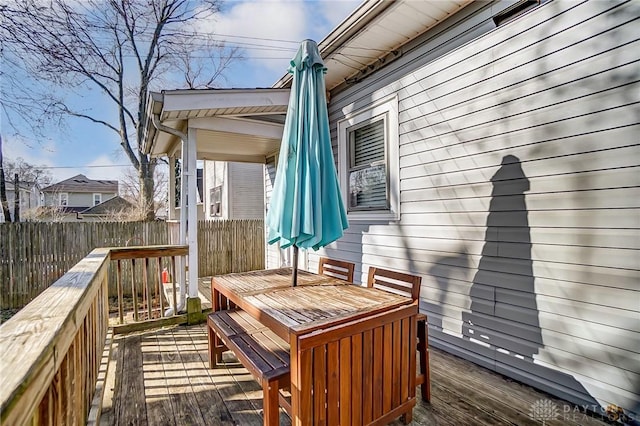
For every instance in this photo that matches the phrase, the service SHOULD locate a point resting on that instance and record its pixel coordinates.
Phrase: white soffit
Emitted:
(375, 29)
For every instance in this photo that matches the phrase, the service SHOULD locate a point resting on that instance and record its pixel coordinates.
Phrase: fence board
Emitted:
(33, 255)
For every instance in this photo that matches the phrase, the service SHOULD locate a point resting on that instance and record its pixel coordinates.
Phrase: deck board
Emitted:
(162, 378)
(159, 408)
(131, 410)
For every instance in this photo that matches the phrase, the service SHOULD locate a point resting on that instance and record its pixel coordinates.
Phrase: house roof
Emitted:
(60, 209)
(114, 204)
(247, 124)
(81, 183)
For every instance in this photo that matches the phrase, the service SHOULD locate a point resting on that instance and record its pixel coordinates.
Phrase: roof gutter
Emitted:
(154, 107)
(155, 118)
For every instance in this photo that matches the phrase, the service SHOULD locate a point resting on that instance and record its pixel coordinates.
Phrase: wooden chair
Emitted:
(336, 269)
(407, 285)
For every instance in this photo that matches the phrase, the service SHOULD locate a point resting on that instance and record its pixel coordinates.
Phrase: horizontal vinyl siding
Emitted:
(246, 193)
(272, 252)
(520, 193)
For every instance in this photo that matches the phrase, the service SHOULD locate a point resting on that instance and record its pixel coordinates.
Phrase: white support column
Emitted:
(171, 208)
(184, 179)
(192, 216)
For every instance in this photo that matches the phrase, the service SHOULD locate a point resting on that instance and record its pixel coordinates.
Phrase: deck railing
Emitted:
(51, 350)
(149, 269)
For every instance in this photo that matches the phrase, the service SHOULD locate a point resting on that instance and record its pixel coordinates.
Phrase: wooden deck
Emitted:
(161, 377)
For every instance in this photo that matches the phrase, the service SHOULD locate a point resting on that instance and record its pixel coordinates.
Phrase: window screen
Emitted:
(367, 168)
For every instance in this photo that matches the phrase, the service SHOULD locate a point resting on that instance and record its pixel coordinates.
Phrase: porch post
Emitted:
(192, 215)
(184, 178)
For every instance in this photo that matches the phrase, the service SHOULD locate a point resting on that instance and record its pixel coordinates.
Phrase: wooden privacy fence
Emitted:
(226, 246)
(34, 255)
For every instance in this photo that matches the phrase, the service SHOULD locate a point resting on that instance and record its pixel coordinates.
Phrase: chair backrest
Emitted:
(395, 282)
(336, 269)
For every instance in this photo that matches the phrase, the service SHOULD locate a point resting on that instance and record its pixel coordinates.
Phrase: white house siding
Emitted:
(519, 177)
(246, 192)
(242, 189)
(76, 199)
(28, 202)
(272, 252)
(214, 175)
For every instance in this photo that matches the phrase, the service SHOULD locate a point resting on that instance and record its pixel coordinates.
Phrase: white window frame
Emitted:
(385, 109)
(65, 196)
(94, 199)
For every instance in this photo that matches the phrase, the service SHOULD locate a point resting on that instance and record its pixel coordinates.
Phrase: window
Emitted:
(368, 148)
(97, 199)
(63, 199)
(367, 171)
(215, 199)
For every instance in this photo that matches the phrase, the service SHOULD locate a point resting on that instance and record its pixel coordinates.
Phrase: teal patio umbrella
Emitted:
(306, 208)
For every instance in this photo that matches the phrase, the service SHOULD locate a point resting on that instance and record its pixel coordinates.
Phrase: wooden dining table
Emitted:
(352, 348)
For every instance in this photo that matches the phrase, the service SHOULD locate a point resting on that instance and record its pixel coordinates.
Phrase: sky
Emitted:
(94, 151)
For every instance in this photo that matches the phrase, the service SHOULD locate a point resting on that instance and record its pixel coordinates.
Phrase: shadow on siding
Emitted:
(503, 324)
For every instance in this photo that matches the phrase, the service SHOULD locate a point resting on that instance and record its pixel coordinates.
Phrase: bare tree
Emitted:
(16, 174)
(120, 47)
(27, 173)
(130, 191)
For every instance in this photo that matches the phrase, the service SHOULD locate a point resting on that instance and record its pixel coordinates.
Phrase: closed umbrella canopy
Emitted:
(306, 208)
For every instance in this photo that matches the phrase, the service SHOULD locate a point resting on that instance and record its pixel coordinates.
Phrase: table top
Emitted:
(244, 283)
(316, 302)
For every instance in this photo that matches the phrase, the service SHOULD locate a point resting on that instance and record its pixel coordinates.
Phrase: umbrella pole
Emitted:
(294, 271)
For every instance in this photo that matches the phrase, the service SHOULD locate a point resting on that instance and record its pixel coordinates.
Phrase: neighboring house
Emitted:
(173, 208)
(233, 190)
(112, 209)
(29, 199)
(504, 170)
(76, 194)
(228, 190)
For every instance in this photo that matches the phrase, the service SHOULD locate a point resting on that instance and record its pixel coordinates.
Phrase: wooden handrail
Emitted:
(140, 252)
(50, 350)
(48, 359)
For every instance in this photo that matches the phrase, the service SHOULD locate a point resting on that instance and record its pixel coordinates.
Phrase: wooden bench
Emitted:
(263, 353)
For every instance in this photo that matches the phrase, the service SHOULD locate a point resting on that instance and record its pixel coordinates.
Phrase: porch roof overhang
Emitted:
(243, 125)
(246, 124)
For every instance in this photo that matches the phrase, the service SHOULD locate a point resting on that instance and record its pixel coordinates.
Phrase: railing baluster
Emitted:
(174, 279)
(120, 292)
(147, 285)
(160, 287)
(133, 289)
